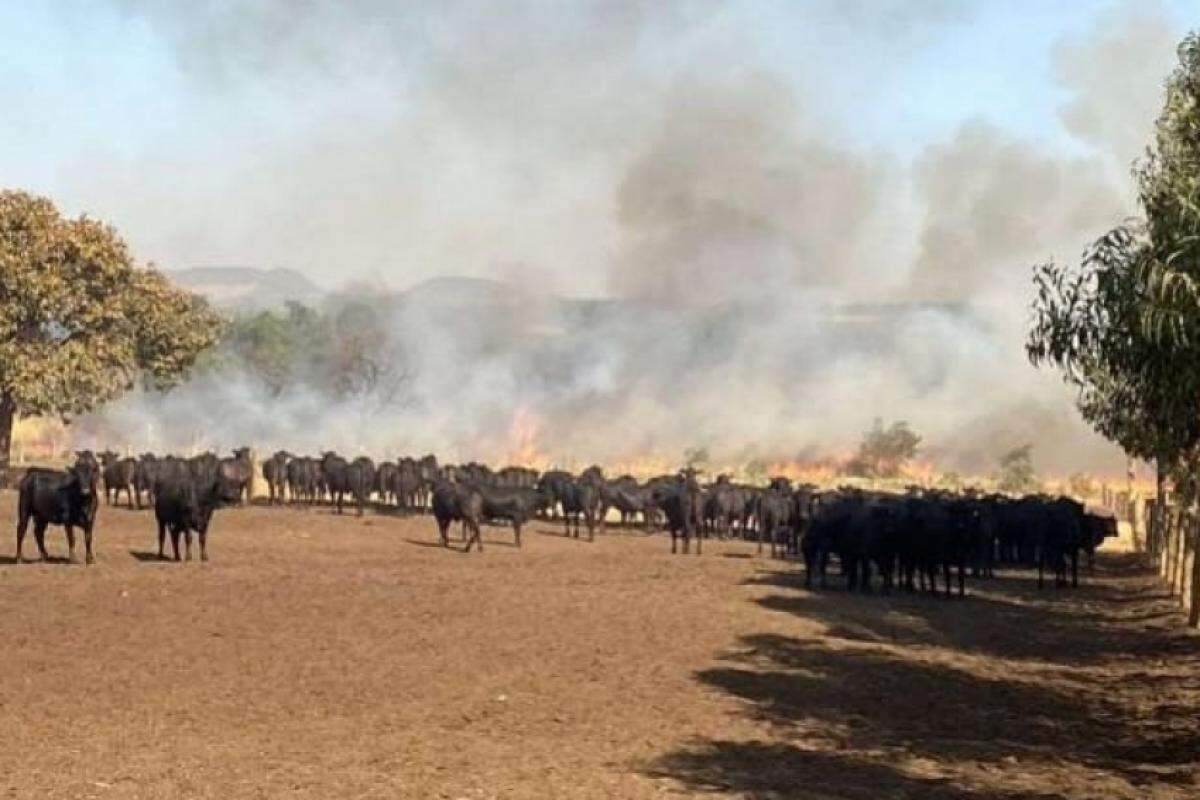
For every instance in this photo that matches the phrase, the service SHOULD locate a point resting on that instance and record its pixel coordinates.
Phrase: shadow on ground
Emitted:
(1010, 693)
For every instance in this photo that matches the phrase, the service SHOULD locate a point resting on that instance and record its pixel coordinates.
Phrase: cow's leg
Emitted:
(162, 539)
(88, 556)
(443, 531)
(175, 542)
(517, 531)
(129, 495)
(70, 531)
(22, 526)
(39, 536)
(187, 544)
(202, 536)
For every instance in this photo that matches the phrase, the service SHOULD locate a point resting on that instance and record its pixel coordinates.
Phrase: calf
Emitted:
(53, 497)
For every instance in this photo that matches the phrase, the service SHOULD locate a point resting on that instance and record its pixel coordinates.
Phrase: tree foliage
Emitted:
(883, 452)
(79, 322)
(345, 351)
(1016, 475)
(1123, 325)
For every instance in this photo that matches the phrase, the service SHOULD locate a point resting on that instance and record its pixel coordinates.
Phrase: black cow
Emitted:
(682, 503)
(517, 505)
(344, 478)
(53, 497)
(580, 500)
(774, 513)
(275, 473)
(184, 503)
(452, 501)
(239, 470)
(119, 474)
(145, 477)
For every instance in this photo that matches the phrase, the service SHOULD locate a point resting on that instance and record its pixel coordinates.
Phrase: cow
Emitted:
(275, 473)
(580, 500)
(144, 478)
(204, 465)
(1096, 528)
(516, 505)
(453, 501)
(54, 497)
(551, 483)
(387, 476)
(119, 474)
(303, 479)
(774, 513)
(682, 505)
(184, 502)
(344, 478)
(240, 470)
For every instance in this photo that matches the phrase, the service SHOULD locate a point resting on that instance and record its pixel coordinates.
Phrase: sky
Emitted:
(770, 159)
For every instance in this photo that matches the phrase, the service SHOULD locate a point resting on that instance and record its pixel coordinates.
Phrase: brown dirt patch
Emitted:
(320, 657)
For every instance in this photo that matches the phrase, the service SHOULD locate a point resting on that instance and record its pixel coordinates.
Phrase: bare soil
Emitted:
(319, 657)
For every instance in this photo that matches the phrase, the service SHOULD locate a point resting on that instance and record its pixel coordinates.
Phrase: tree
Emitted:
(884, 451)
(1124, 325)
(1016, 474)
(79, 323)
(696, 458)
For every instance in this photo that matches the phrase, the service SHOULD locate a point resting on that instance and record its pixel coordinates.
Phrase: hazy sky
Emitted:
(360, 139)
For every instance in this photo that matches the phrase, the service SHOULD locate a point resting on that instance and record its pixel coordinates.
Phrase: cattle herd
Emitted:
(905, 539)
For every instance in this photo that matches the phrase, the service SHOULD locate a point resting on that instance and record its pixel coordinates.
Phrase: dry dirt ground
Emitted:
(321, 657)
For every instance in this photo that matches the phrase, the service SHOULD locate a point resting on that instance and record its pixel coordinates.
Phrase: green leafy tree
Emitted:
(79, 323)
(1124, 325)
(1016, 474)
(883, 452)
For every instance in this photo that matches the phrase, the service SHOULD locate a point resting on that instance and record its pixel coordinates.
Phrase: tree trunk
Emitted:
(1194, 610)
(8, 414)
(1160, 507)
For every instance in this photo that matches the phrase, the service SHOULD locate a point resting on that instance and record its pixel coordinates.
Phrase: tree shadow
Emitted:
(776, 771)
(1069, 627)
(997, 686)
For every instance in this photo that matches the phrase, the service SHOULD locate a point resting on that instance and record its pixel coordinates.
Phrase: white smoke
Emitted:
(760, 288)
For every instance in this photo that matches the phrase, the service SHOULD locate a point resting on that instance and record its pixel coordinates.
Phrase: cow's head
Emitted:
(86, 473)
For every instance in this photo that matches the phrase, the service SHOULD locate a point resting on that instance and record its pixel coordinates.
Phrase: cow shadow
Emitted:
(149, 556)
(11, 561)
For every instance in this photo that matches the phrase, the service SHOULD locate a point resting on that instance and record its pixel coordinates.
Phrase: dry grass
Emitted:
(320, 657)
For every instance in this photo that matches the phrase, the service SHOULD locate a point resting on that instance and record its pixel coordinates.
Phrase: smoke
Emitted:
(1115, 73)
(686, 256)
(995, 205)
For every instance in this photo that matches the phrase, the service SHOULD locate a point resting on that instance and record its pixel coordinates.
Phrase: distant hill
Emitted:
(248, 288)
(253, 289)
